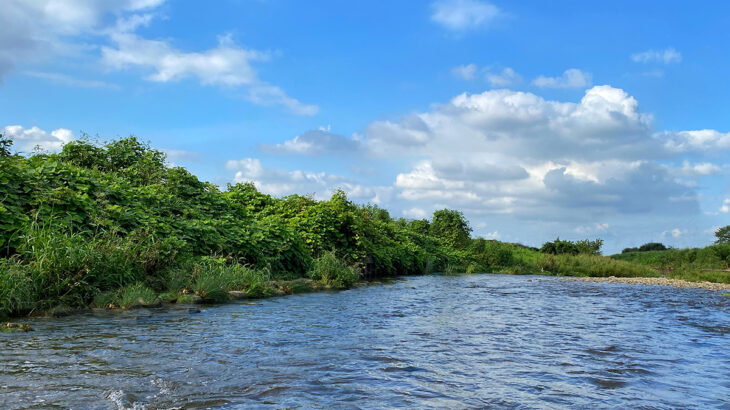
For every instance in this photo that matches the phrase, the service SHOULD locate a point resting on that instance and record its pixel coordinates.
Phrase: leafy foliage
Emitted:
(5, 144)
(723, 234)
(583, 247)
(451, 227)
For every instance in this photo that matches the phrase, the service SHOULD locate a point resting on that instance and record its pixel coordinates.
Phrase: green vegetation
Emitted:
(583, 247)
(706, 264)
(111, 225)
(333, 271)
(651, 246)
(723, 234)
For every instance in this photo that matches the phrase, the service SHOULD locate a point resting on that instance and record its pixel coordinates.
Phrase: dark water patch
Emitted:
(424, 342)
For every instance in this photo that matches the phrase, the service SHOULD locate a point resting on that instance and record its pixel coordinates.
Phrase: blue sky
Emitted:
(537, 119)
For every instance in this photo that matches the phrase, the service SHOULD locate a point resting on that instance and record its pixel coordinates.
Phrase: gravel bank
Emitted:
(656, 281)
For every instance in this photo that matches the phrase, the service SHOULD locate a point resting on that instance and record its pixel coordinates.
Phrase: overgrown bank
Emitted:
(111, 225)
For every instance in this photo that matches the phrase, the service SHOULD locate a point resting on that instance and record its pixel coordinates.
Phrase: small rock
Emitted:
(237, 295)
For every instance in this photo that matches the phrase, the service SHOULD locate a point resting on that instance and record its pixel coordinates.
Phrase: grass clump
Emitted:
(137, 295)
(334, 272)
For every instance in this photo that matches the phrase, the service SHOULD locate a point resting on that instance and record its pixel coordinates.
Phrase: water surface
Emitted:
(430, 341)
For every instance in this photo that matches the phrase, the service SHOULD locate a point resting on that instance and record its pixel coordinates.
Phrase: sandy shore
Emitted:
(656, 281)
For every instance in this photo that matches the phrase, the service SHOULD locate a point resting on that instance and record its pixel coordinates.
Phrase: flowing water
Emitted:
(422, 342)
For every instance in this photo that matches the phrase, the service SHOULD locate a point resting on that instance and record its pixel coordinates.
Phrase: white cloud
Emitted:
(491, 235)
(605, 124)
(27, 139)
(227, 65)
(700, 169)
(571, 78)
(666, 56)
(41, 29)
(465, 72)
(725, 207)
(321, 185)
(415, 213)
(695, 140)
(506, 77)
(674, 233)
(315, 142)
(460, 15)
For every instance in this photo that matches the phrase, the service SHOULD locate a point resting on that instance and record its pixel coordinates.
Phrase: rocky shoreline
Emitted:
(656, 281)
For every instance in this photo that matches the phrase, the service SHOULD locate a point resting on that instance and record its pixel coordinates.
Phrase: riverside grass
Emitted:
(110, 224)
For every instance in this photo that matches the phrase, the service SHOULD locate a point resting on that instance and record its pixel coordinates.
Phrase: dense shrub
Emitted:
(333, 271)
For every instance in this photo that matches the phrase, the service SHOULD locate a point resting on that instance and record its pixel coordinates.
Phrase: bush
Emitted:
(333, 271)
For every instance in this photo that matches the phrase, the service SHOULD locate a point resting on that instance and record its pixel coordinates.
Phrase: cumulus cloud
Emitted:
(606, 123)
(571, 78)
(321, 185)
(40, 29)
(666, 56)
(315, 142)
(460, 15)
(28, 139)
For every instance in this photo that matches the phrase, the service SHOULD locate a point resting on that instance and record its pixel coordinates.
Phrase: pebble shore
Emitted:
(656, 281)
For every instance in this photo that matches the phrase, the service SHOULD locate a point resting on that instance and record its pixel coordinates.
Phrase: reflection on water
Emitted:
(469, 341)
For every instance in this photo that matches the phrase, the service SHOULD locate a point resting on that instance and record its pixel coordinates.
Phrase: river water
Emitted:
(421, 342)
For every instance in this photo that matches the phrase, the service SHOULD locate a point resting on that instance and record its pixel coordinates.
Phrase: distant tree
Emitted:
(652, 246)
(5, 144)
(589, 247)
(647, 247)
(723, 235)
(559, 247)
(452, 227)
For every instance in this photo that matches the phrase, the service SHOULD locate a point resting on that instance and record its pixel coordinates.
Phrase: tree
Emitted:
(5, 144)
(452, 227)
(723, 234)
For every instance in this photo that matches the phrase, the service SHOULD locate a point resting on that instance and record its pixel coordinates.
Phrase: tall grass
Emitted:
(333, 271)
(591, 265)
(137, 295)
(16, 289)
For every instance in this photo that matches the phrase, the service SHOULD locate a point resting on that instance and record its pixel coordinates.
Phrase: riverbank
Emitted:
(678, 283)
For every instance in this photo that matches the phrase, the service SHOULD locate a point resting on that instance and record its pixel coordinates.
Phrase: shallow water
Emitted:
(430, 341)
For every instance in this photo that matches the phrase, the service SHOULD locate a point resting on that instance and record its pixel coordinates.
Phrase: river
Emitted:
(420, 342)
